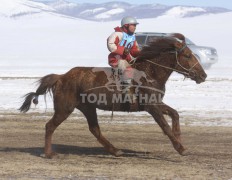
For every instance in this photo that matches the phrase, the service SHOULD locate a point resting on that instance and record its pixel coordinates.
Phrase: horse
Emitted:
(158, 61)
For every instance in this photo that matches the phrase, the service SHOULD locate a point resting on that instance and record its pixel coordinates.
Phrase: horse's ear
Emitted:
(178, 36)
(178, 45)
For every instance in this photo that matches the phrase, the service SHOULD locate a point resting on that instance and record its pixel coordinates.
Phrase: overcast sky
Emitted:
(215, 3)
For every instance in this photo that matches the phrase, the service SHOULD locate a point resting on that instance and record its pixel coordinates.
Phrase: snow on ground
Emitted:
(47, 43)
(182, 11)
(40, 44)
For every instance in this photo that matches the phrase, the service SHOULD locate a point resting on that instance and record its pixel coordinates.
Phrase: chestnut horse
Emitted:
(158, 60)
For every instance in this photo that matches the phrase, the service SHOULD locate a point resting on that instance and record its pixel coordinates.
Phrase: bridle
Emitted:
(190, 72)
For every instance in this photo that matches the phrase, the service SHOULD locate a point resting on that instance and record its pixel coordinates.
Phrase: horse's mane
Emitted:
(160, 45)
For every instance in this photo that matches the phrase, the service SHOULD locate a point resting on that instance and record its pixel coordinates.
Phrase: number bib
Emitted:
(127, 40)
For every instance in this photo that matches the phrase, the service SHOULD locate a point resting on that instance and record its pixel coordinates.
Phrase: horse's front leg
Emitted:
(157, 114)
(175, 119)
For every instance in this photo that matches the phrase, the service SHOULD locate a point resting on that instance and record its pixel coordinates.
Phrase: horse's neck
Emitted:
(156, 72)
(162, 75)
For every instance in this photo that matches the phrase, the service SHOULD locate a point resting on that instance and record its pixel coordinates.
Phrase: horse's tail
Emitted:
(46, 84)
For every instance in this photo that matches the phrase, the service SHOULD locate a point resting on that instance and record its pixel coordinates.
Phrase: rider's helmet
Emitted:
(128, 20)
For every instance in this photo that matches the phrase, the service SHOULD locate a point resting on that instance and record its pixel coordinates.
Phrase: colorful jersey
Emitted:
(127, 40)
(116, 44)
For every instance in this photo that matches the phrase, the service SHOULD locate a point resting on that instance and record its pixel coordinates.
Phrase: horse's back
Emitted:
(87, 76)
(79, 69)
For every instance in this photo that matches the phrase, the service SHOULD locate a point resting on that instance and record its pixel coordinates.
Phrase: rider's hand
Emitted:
(126, 51)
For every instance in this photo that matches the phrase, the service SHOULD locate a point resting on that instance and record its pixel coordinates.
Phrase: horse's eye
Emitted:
(188, 56)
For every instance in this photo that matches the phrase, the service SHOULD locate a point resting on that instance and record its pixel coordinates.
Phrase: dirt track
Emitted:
(148, 153)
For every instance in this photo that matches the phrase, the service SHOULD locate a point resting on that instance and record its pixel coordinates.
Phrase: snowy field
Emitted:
(36, 45)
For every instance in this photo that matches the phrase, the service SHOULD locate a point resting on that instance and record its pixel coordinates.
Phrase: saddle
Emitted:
(127, 90)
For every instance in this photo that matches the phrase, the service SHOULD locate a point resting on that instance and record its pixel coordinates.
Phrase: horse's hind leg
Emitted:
(64, 104)
(91, 116)
(51, 125)
(175, 119)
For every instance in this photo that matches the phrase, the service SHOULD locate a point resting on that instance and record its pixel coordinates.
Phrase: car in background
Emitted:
(207, 56)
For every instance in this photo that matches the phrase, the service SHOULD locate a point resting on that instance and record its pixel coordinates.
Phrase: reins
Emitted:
(187, 74)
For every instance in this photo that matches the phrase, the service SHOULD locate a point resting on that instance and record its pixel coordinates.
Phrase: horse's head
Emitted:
(186, 63)
(160, 53)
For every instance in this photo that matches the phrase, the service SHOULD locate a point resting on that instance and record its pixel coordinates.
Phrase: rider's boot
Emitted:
(130, 97)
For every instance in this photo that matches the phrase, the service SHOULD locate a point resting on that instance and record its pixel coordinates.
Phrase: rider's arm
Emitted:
(113, 43)
(135, 49)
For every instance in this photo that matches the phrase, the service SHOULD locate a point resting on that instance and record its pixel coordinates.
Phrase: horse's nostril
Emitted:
(203, 76)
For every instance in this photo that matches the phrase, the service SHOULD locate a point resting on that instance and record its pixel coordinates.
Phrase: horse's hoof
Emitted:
(184, 152)
(51, 155)
(118, 153)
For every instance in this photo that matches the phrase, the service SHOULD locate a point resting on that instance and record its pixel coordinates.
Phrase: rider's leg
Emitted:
(127, 74)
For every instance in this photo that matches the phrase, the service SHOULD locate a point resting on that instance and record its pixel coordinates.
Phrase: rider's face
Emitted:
(132, 27)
